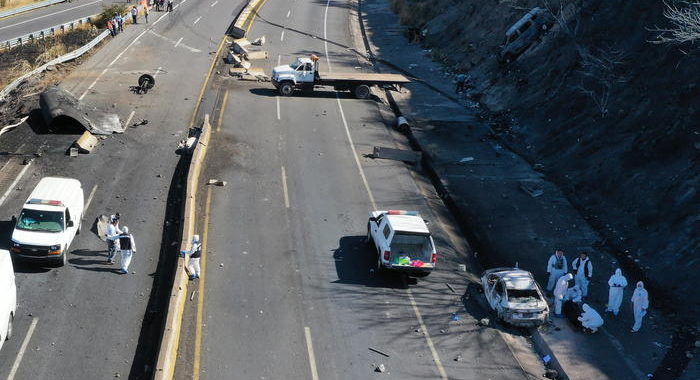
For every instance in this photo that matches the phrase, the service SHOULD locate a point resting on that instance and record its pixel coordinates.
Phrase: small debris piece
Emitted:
(379, 352)
(462, 267)
(458, 358)
(455, 317)
(466, 159)
(221, 265)
(192, 295)
(73, 152)
(451, 288)
(259, 41)
(380, 368)
(484, 322)
(531, 189)
(216, 182)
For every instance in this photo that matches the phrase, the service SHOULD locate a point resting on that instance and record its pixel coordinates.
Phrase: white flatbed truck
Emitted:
(303, 74)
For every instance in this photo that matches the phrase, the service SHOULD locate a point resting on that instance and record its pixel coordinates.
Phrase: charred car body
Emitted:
(515, 296)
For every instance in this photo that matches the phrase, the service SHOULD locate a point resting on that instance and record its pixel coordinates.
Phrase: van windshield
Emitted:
(38, 220)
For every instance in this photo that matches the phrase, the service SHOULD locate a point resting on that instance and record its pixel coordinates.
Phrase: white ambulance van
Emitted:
(49, 221)
(8, 296)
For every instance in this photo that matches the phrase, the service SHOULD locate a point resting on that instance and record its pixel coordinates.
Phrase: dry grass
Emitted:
(21, 59)
(10, 4)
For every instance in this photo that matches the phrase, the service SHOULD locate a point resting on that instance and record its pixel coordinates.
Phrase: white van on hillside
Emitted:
(8, 296)
(49, 221)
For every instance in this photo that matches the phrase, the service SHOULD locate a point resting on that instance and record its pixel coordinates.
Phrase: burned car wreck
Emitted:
(515, 296)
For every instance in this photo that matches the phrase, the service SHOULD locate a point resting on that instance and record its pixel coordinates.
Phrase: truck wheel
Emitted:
(62, 261)
(286, 89)
(362, 91)
(10, 320)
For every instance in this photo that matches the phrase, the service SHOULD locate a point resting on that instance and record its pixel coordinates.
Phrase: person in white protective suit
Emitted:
(584, 271)
(127, 247)
(195, 256)
(574, 294)
(556, 267)
(590, 319)
(617, 283)
(640, 304)
(560, 292)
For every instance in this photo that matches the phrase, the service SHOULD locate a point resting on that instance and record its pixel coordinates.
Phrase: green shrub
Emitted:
(108, 12)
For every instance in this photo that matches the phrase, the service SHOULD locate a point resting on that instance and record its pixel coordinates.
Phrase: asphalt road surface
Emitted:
(32, 21)
(84, 321)
(287, 288)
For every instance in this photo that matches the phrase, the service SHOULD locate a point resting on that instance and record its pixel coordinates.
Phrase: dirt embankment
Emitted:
(611, 117)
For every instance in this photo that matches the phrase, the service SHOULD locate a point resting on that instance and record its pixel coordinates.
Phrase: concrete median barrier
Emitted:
(167, 355)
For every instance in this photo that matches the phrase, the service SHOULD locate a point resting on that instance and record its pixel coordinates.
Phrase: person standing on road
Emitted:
(127, 248)
(640, 304)
(113, 233)
(590, 319)
(115, 25)
(109, 27)
(145, 13)
(195, 256)
(560, 292)
(120, 22)
(556, 267)
(617, 283)
(134, 12)
(170, 5)
(584, 270)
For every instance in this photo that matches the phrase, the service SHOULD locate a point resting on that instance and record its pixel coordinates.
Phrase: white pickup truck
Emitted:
(403, 242)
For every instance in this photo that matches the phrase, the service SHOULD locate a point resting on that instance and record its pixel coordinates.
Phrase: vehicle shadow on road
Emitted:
(354, 264)
(6, 227)
(271, 92)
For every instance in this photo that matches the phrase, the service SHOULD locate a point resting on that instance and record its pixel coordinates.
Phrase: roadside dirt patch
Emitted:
(22, 59)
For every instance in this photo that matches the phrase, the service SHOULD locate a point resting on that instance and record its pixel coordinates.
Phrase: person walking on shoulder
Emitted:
(640, 304)
(145, 13)
(195, 256)
(584, 270)
(120, 22)
(127, 248)
(556, 267)
(617, 283)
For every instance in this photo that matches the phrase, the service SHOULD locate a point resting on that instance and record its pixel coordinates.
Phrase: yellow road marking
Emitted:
(221, 112)
(200, 298)
(255, 13)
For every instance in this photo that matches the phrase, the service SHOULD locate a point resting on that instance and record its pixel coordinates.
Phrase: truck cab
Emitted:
(48, 221)
(402, 241)
(300, 74)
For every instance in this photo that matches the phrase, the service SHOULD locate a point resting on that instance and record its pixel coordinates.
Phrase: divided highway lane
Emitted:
(287, 288)
(42, 18)
(84, 321)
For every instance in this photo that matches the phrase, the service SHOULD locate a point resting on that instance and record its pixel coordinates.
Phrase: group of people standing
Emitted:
(115, 25)
(119, 240)
(582, 272)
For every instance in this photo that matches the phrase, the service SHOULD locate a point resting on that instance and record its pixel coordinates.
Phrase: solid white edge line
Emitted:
(289, 12)
(22, 349)
(426, 334)
(310, 349)
(214, 3)
(282, 36)
(14, 183)
(178, 42)
(284, 187)
(279, 60)
(433, 351)
(196, 21)
(87, 204)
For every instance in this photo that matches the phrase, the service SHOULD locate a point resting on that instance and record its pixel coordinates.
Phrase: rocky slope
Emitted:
(611, 117)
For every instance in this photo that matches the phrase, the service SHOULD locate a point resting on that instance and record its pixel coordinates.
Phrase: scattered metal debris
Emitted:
(259, 41)
(146, 82)
(378, 351)
(85, 144)
(58, 104)
(139, 123)
(451, 288)
(484, 322)
(216, 182)
(380, 368)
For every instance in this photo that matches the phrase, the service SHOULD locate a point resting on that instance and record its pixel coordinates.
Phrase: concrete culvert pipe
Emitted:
(402, 124)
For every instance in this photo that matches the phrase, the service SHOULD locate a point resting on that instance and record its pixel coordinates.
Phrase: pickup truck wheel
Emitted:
(63, 260)
(10, 320)
(362, 91)
(286, 89)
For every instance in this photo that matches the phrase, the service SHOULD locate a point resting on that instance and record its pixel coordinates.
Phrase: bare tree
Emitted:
(600, 71)
(685, 21)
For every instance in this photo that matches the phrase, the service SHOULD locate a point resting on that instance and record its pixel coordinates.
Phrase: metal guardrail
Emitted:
(41, 34)
(29, 7)
(64, 58)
